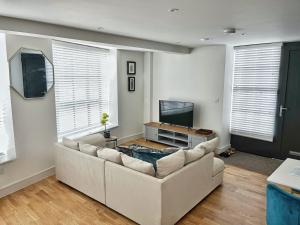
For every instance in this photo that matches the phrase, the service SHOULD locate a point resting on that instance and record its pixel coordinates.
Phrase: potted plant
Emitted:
(104, 120)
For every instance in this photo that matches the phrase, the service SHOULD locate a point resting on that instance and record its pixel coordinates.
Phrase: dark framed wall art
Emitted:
(131, 67)
(131, 83)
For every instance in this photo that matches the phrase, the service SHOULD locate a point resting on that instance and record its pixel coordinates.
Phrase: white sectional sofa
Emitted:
(144, 199)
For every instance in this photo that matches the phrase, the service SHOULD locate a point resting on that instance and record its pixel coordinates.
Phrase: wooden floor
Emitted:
(239, 201)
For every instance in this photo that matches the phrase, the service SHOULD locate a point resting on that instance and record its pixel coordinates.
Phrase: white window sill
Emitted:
(5, 158)
(89, 132)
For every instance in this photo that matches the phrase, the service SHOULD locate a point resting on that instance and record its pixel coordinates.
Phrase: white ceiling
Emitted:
(260, 20)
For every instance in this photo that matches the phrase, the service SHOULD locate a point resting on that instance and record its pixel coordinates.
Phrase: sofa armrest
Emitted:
(184, 189)
(81, 171)
(133, 194)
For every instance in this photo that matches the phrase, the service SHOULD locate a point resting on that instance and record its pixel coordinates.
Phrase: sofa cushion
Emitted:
(88, 149)
(193, 154)
(109, 154)
(218, 166)
(93, 139)
(170, 164)
(150, 155)
(70, 143)
(138, 165)
(208, 146)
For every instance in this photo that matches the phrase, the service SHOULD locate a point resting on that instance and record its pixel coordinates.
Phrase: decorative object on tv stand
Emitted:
(131, 68)
(204, 131)
(104, 120)
(131, 83)
(31, 73)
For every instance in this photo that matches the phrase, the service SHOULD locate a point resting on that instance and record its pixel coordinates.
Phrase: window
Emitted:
(85, 87)
(3, 135)
(7, 143)
(255, 86)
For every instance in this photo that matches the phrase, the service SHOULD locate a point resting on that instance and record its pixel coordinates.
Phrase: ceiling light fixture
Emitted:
(205, 39)
(230, 30)
(173, 10)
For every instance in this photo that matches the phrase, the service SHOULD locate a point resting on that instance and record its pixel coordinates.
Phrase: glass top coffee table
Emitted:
(287, 174)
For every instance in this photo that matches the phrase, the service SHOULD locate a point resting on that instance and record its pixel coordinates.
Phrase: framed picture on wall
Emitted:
(131, 83)
(131, 68)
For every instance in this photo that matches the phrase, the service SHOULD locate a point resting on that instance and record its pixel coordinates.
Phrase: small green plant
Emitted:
(104, 119)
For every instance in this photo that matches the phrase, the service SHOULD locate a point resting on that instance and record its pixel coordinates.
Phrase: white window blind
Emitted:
(85, 87)
(255, 86)
(2, 116)
(7, 142)
(3, 147)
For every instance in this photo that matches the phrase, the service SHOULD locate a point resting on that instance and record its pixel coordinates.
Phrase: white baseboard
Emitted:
(223, 149)
(20, 184)
(130, 138)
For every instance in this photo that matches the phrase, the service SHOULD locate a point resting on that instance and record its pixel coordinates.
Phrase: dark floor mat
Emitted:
(252, 162)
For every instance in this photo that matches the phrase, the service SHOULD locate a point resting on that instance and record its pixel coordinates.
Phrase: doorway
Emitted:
(289, 108)
(286, 141)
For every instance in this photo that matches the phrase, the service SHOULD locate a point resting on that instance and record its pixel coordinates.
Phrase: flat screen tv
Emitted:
(176, 113)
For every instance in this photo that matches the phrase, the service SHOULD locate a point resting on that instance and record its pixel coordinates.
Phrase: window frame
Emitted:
(239, 132)
(112, 95)
(7, 119)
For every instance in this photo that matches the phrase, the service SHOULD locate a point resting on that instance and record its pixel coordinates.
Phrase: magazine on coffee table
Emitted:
(295, 171)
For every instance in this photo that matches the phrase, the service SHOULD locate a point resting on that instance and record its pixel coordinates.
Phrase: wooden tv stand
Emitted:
(174, 135)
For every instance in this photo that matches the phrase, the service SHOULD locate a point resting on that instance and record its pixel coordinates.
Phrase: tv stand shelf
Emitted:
(174, 135)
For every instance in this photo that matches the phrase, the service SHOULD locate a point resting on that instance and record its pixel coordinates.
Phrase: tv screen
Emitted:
(177, 113)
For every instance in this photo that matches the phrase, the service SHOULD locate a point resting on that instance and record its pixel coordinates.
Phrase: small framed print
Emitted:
(131, 83)
(131, 68)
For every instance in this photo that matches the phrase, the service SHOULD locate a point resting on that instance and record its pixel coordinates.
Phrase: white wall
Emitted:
(198, 78)
(34, 123)
(131, 104)
(35, 120)
(148, 83)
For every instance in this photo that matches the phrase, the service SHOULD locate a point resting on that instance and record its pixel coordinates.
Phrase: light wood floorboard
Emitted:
(239, 201)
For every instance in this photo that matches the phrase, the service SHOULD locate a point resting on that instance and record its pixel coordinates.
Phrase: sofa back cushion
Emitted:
(138, 165)
(70, 143)
(93, 139)
(193, 155)
(170, 164)
(208, 146)
(88, 149)
(109, 154)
